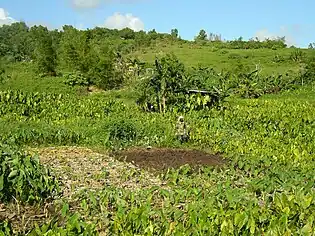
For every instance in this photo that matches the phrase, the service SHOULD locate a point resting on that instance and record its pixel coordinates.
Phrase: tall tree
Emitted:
(202, 36)
(168, 80)
(68, 53)
(215, 37)
(152, 34)
(174, 33)
(127, 33)
(14, 41)
(45, 55)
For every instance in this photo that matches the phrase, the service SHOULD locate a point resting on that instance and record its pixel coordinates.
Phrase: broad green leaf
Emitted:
(13, 174)
(307, 229)
(240, 220)
(306, 202)
(65, 209)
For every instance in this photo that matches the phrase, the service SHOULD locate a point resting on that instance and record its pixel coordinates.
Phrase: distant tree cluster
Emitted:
(203, 37)
(20, 41)
(254, 43)
(89, 55)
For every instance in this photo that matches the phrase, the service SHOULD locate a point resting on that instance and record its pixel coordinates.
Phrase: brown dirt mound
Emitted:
(165, 158)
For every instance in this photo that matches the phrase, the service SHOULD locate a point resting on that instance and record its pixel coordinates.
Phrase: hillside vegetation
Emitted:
(71, 100)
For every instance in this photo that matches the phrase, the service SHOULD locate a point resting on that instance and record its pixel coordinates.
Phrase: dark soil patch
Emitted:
(165, 158)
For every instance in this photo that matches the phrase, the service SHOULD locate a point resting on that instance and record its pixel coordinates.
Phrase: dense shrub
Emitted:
(122, 132)
(234, 56)
(76, 78)
(308, 72)
(297, 55)
(24, 178)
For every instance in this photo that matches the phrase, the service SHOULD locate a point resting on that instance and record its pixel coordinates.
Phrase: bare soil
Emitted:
(165, 158)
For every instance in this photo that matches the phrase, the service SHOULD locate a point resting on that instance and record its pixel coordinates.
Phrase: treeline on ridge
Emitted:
(21, 42)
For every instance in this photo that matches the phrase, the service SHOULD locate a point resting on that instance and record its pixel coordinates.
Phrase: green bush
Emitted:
(105, 71)
(307, 75)
(297, 55)
(24, 178)
(113, 106)
(2, 76)
(122, 132)
(76, 78)
(224, 51)
(234, 56)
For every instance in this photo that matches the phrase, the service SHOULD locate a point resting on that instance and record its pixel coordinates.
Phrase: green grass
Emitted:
(227, 58)
(306, 93)
(22, 76)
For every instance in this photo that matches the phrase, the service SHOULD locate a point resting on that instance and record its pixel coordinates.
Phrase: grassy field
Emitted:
(227, 58)
(264, 187)
(23, 77)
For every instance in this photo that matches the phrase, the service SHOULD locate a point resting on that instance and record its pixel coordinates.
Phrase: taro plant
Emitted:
(70, 225)
(23, 177)
(5, 228)
(76, 79)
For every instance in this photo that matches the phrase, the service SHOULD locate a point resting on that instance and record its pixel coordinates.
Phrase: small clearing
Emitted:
(82, 168)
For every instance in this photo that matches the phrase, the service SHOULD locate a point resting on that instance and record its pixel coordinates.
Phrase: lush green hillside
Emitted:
(270, 61)
(24, 76)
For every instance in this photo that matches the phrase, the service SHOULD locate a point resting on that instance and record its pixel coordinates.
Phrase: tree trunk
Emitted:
(160, 103)
(163, 103)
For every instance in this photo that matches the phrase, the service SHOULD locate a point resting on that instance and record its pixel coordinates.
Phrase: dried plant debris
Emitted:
(81, 168)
